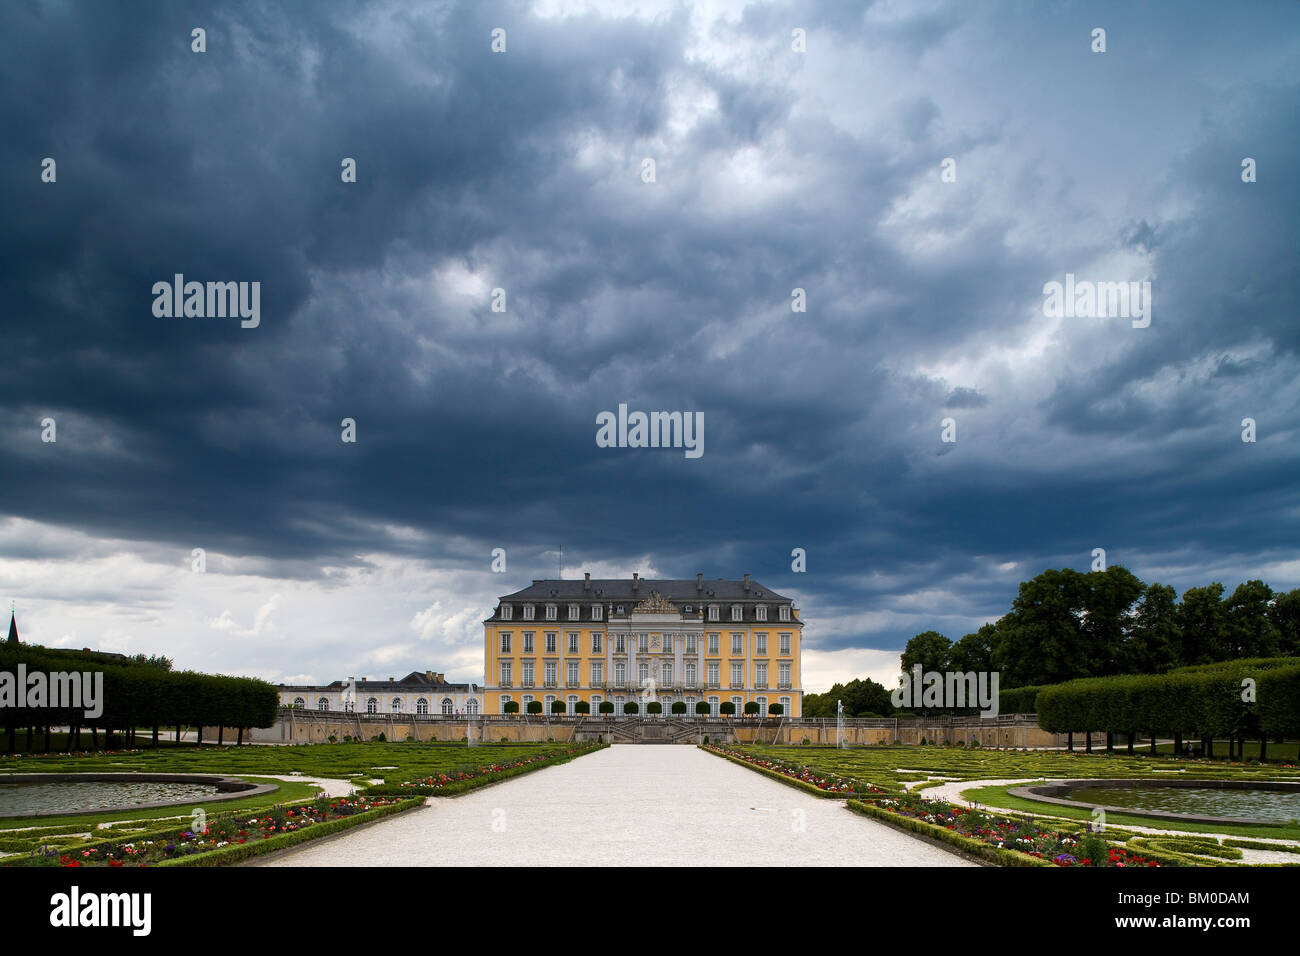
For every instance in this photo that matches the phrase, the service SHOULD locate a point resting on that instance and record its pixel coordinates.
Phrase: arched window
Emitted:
(322, 704)
(422, 705)
(785, 706)
(299, 703)
(573, 700)
(447, 706)
(396, 705)
(505, 699)
(471, 706)
(372, 706)
(713, 706)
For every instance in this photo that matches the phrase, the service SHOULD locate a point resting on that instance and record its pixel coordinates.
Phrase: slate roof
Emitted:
(412, 683)
(612, 592)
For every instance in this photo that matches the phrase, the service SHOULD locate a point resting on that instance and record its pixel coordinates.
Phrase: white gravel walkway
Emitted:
(633, 804)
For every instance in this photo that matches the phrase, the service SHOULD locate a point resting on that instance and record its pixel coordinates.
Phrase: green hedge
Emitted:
(1202, 700)
(1187, 846)
(967, 845)
(462, 786)
(144, 696)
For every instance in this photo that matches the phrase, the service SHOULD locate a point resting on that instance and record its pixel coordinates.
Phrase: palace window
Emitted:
(526, 674)
(713, 706)
(668, 643)
(322, 704)
(785, 612)
(550, 699)
(299, 703)
(422, 705)
(714, 641)
(739, 704)
(713, 674)
(618, 609)
(667, 674)
(690, 673)
(529, 612)
(713, 612)
(643, 643)
(573, 703)
(572, 678)
(760, 675)
(396, 705)
(783, 676)
(551, 611)
(505, 674)
(506, 611)
(760, 612)
(690, 643)
(550, 673)
(785, 706)
(596, 700)
(761, 640)
(737, 674)
(573, 642)
(596, 611)
(505, 699)
(528, 642)
(642, 672)
(372, 706)
(597, 673)
(595, 643)
(737, 642)
(550, 642)
(574, 612)
(471, 706)
(505, 642)
(785, 644)
(762, 705)
(619, 646)
(446, 706)
(620, 673)
(737, 612)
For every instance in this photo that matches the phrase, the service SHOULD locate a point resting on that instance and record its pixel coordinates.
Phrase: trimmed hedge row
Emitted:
(141, 695)
(789, 781)
(1019, 700)
(967, 845)
(1258, 845)
(1204, 700)
(238, 852)
(1189, 847)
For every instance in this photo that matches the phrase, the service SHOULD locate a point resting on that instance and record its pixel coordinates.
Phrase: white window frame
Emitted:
(760, 612)
(713, 612)
(552, 612)
(528, 641)
(715, 643)
(784, 645)
(783, 676)
(596, 611)
(737, 612)
(575, 612)
(530, 612)
(506, 612)
(552, 638)
(760, 644)
(573, 674)
(596, 642)
(737, 674)
(505, 642)
(784, 613)
(506, 674)
(527, 674)
(597, 673)
(573, 642)
(737, 642)
(549, 673)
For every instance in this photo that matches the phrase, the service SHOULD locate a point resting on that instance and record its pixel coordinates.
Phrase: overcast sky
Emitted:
(523, 170)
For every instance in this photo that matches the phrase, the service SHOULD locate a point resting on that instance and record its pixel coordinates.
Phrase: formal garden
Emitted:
(383, 779)
(889, 783)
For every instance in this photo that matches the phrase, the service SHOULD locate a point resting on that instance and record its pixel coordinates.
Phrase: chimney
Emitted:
(746, 582)
(699, 581)
(636, 583)
(586, 581)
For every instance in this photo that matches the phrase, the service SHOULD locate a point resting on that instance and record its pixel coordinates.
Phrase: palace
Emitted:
(419, 692)
(634, 641)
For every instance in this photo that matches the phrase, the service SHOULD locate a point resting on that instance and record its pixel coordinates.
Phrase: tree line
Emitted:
(139, 693)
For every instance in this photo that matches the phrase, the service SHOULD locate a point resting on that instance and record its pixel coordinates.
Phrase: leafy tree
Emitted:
(751, 707)
(930, 649)
(702, 707)
(1041, 640)
(1285, 615)
(679, 707)
(1249, 631)
(1107, 616)
(974, 652)
(1201, 619)
(727, 709)
(1155, 639)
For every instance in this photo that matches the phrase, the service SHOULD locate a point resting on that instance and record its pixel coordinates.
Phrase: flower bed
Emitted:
(225, 836)
(468, 778)
(823, 786)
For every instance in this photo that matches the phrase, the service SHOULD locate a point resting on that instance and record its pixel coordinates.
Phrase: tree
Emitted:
(534, 706)
(631, 707)
(679, 707)
(607, 707)
(1201, 620)
(1285, 615)
(1249, 631)
(511, 707)
(864, 698)
(930, 649)
(776, 710)
(974, 652)
(654, 707)
(727, 709)
(751, 708)
(1107, 617)
(702, 707)
(582, 707)
(1041, 640)
(558, 707)
(1155, 639)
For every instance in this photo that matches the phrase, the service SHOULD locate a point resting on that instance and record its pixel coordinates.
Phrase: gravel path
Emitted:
(651, 805)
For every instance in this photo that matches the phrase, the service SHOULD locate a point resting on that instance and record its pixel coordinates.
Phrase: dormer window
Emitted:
(713, 612)
(506, 611)
(596, 611)
(529, 612)
(737, 612)
(761, 612)
(785, 612)
(619, 609)
(551, 612)
(574, 612)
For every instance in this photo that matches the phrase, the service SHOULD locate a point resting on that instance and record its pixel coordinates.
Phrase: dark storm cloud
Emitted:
(522, 171)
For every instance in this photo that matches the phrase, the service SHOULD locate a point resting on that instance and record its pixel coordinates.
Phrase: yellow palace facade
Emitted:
(633, 640)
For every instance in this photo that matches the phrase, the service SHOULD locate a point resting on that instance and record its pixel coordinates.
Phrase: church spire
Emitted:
(13, 627)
